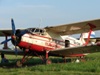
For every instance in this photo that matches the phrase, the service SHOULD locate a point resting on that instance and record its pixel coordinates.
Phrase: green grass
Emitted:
(90, 67)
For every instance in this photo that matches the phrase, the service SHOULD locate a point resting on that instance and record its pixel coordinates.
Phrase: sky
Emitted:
(42, 13)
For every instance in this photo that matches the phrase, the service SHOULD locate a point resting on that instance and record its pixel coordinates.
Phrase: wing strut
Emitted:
(91, 29)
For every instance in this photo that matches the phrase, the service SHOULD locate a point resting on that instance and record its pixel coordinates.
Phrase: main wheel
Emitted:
(19, 64)
(48, 61)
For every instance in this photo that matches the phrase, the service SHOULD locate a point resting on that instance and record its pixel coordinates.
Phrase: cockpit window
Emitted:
(37, 31)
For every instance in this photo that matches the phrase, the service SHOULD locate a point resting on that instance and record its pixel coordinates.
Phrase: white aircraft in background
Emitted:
(52, 41)
(80, 41)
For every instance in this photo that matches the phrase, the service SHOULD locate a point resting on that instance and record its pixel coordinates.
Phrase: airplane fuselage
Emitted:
(38, 42)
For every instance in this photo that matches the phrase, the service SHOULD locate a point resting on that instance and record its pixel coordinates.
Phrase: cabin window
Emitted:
(37, 31)
(67, 43)
(58, 42)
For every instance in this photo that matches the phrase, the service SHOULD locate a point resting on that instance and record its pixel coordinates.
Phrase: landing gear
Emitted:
(28, 53)
(25, 58)
(47, 60)
(18, 63)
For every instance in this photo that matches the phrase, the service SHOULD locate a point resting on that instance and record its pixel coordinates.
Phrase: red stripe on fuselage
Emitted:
(33, 47)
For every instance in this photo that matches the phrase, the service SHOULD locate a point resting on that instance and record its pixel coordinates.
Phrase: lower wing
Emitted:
(90, 48)
(11, 52)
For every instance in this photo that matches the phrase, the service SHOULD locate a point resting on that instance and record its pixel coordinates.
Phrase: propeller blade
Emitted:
(14, 36)
(13, 27)
(3, 42)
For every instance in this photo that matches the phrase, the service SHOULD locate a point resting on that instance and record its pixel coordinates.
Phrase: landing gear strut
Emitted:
(24, 59)
(47, 61)
(28, 53)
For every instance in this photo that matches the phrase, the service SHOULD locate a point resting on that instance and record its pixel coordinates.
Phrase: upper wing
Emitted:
(74, 28)
(5, 32)
(76, 50)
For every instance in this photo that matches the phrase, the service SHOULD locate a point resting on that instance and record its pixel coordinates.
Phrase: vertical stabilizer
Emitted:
(89, 34)
(84, 36)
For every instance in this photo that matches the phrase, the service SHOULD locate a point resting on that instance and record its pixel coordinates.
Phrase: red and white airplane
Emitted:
(52, 41)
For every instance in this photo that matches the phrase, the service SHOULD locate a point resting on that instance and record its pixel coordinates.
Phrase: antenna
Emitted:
(38, 28)
(40, 24)
(40, 21)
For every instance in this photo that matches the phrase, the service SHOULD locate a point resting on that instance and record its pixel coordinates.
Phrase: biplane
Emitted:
(52, 41)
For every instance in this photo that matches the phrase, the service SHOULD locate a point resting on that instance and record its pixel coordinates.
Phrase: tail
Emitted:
(90, 34)
(84, 37)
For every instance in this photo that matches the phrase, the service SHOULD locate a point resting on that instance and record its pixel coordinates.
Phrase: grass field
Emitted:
(34, 67)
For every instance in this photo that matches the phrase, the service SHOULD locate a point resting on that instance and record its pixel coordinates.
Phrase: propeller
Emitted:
(16, 34)
(12, 37)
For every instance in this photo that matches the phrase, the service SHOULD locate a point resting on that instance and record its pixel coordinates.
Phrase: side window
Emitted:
(33, 30)
(42, 32)
(37, 31)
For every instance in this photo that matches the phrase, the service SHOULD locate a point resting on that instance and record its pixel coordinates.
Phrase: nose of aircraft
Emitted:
(13, 37)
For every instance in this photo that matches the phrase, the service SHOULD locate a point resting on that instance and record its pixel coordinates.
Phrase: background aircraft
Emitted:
(50, 41)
